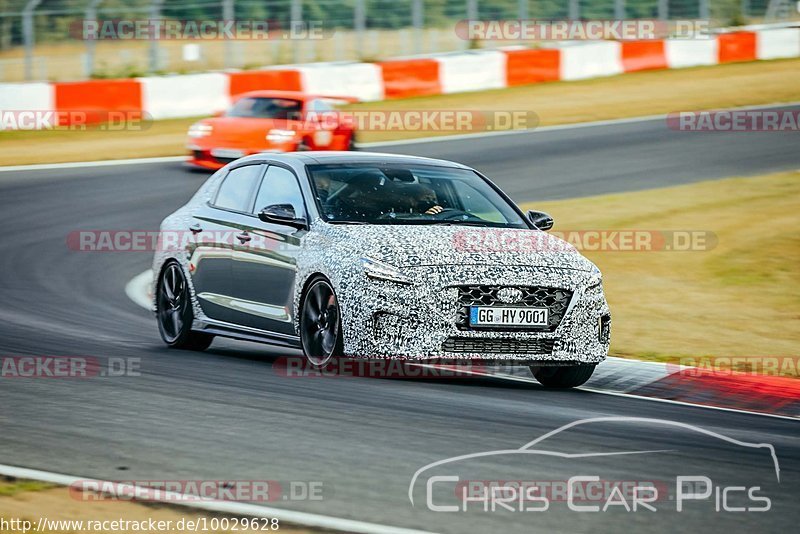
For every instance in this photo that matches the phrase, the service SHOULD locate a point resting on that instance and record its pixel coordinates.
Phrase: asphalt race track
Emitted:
(229, 413)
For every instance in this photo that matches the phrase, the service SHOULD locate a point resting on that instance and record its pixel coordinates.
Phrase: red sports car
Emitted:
(268, 121)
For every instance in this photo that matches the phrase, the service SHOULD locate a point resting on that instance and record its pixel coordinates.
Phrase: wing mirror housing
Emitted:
(282, 214)
(540, 220)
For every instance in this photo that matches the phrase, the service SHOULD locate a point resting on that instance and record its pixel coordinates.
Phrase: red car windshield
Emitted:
(267, 108)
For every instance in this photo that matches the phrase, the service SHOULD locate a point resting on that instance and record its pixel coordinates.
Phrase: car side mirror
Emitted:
(282, 214)
(540, 220)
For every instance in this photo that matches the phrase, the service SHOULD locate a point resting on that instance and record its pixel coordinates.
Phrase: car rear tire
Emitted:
(174, 311)
(564, 377)
(320, 323)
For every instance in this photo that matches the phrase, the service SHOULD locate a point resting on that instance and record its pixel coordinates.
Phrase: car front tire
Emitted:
(320, 323)
(564, 377)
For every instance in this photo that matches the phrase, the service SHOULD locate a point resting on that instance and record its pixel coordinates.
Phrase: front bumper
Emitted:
(204, 157)
(424, 321)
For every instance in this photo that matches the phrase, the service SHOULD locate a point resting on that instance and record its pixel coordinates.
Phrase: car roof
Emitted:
(344, 157)
(293, 95)
(266, 93)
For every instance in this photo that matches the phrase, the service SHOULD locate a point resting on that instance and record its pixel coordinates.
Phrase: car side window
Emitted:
(280, 186)
(236, 190)
(319, 106)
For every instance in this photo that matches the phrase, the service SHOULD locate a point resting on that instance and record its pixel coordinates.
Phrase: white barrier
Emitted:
(580, 61)
(778, 43)
(189, 95)
(165, 97)
(683, 53)
(357, 80)
(26, 97)
(36, 96)
(471, 71)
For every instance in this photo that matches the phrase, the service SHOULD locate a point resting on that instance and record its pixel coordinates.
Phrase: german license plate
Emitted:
(507, 316)
(227, 153)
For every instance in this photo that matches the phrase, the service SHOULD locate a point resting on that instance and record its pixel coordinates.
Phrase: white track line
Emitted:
(138, 289)
(226, 507)
(479, 135)
(421, 140)
(511, 378)
(684, 403)
(100, 163)
(556, 127)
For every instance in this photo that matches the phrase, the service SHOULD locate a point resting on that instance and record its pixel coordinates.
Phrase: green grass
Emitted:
(12, 487)
(738, 298)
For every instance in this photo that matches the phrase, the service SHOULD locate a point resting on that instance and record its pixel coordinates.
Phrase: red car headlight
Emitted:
(200, 130)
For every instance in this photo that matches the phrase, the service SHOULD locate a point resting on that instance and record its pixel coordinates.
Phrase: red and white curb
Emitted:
(190, 95)
(772, 396)
(210, 505)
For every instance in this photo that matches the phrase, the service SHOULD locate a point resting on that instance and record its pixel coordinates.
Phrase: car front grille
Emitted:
(554, 299)
(498, 346)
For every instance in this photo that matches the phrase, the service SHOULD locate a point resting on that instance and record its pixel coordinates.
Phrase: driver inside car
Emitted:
(361, 197)
(425, 200)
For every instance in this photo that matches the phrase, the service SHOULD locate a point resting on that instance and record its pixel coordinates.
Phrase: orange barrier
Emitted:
(643, 55)
(412, 77)
(532, 66)
(96, 101)
(737, 46)
(254, 80)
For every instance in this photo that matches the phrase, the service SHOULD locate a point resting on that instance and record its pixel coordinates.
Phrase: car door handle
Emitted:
(196, 228)
(244, 237)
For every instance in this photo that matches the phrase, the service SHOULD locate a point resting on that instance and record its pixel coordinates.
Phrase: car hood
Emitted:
(420, 245)
(236, 126)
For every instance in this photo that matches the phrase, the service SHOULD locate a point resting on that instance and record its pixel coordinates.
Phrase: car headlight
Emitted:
(279, 136)
(200, 130)
(596, 284)
(383, 271)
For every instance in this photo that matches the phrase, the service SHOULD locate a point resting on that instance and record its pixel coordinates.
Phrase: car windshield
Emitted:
(366, 193)
(266, 108)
